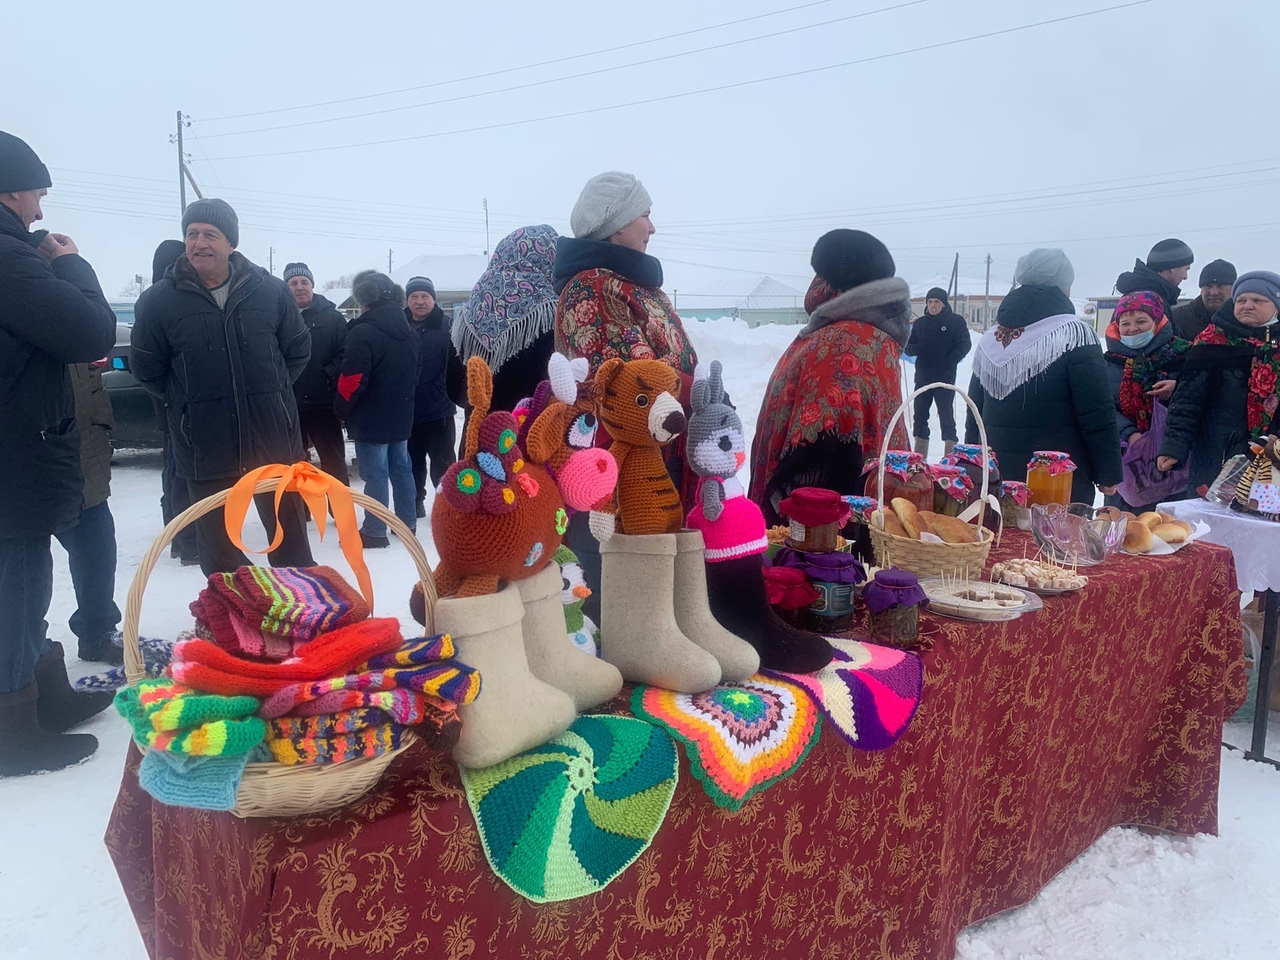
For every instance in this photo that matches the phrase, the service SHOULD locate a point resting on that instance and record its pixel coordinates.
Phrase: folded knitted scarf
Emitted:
(371, 742)
(205, 783)
(445, 680)
(207, 666)
(166, 715)
(300, 602)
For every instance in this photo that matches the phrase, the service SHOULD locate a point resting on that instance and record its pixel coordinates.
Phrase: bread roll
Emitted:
(1108, 513)
(909, 516)
(1151, 520)
(1171, 532)
(1138, 538)
(953, 530)
(892, 525)
(1167, 517)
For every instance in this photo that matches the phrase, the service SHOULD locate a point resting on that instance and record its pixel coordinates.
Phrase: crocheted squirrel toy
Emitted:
(498, 517)
(559, 433)
(640, 407)
(734, 530)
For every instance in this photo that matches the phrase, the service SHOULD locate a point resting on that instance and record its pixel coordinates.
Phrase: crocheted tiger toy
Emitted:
(640, 407)
(1259, 488)
(498, 517)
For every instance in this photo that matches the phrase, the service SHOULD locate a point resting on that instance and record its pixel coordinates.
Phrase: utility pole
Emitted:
(986, 297)
(485, 202)
(183, 174)
(389, 252)
(953, 288)
(271, 260)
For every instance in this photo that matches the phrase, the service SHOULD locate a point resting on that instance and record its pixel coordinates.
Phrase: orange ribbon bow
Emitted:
(319, 491)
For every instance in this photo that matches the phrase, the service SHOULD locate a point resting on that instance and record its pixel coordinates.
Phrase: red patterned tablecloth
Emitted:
(1034, 738)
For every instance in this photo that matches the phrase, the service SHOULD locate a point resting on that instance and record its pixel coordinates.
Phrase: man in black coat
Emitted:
(221, 341)
(433, 428)
(939, 341)
(52, 313)
(1167, 265)
(1216, 279)
(314, 389)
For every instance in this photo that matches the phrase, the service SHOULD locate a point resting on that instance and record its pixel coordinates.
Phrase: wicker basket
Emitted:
(276, 789)
(922, 557)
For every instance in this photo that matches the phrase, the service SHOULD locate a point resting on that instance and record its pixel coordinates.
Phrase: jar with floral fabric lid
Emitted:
(968, 456)
(1050, 475)
(952, 489)
(1014, 500)
(894, 599)
(859, 530)
(906, 477)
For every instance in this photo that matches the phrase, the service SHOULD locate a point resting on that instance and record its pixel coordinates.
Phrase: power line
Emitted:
(691, 93)
(574, 76)
(527, 66)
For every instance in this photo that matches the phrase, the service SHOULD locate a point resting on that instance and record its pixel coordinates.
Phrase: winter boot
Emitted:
(26, 748)
(638, 630)
(552, 657)
(515, 710)
(738, 601)
(947, 446)
(738, 659)
(922, 446)
(60, 707)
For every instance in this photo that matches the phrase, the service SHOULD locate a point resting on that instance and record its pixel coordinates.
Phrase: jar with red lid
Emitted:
(816, 516)
(1014, 500)
(906, 476)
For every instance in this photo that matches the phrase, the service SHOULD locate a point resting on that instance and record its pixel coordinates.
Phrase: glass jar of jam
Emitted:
(1050, 475)
(1014, 500)
(893, 599)
(952, 490)
(906, 476)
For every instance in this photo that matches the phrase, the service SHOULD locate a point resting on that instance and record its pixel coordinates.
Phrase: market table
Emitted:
(1034, 737)
(1255, 547)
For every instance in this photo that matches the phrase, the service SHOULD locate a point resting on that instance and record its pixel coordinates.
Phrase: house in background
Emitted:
(453, 276)
(756, 299)
(969, 301)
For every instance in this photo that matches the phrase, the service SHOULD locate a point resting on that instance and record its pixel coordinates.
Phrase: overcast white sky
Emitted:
(1101, 134)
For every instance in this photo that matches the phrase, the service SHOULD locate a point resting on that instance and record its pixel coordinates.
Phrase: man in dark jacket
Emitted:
(221, 342)
(1167, 265)
(52, 313)
(376, 397)
(939, 341)
(1216, 279)
(433, 428)
(314, 389)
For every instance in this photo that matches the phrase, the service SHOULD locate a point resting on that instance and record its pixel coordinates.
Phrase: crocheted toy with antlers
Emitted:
(640, 407)
(497, 517)
(559, 433)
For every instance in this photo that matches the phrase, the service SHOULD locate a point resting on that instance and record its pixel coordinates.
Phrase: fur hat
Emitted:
(608, 203)
(20, 168)
(420, 285)
(1169, 255)
(1262, 282)
(1045, 267)
(1217, 271)
(165, 255)
(373, 289)
(292, 270)
(849, 258)
(216, 213)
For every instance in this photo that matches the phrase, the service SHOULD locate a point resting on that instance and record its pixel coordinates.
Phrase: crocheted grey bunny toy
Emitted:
(715, 444)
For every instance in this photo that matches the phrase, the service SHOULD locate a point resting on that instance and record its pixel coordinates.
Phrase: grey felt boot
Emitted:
(553, 659)
(738, 659)
(638, 630)
(25, 747)
(515, 710)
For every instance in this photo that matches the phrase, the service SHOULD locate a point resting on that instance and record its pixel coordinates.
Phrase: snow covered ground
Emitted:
(1130, 896)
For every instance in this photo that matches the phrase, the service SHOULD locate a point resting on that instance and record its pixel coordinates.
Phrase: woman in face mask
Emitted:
(1144, 354)
(1226, 397)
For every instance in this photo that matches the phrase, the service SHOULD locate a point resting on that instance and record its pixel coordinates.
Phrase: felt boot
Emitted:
(552, 657)
(738, 659)
(27, 748)
(60, 707)
(515, 710)
(738, 601)
(638, 630)
(922, 446)
(947, 446)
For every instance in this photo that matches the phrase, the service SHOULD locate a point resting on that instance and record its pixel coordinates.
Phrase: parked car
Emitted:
(136, 415)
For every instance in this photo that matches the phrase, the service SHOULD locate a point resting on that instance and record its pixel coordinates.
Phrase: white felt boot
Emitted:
(738, 659)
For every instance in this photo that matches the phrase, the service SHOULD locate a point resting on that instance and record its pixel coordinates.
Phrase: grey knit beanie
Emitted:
(292, 270)
(1045, 267)
(20, 168)
(216, 213)
(1262, 282)
(608, 203)
(1169, 255)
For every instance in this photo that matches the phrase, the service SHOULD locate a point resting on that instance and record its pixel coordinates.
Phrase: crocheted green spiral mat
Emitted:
(564, 819)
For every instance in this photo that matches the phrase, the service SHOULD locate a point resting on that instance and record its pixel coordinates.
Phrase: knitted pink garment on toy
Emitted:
(739, 531)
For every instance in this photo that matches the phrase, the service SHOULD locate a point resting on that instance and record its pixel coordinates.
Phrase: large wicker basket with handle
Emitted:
(276, 789)
(921, 557)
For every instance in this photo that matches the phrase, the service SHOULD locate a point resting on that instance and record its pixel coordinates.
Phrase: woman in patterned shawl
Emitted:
(834, 391)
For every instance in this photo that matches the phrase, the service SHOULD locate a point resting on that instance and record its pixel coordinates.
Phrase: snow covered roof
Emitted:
(456, 273)
(746, 293)
(339, 295)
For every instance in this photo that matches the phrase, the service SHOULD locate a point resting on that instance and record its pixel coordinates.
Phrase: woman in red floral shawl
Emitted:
(834, 391)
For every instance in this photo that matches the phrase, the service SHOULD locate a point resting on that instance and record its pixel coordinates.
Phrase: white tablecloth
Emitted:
(1254, 542)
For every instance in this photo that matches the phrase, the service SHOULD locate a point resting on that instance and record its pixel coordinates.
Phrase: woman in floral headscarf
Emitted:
(833, 392)
(1226, 397)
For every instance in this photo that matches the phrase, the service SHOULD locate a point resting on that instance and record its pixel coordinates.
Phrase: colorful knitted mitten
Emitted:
(156, 653)
(372, 742)
(166, 715)
(448, 680)
(209, 667)
(407, 707)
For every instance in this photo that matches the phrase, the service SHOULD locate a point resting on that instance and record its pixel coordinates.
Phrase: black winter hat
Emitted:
(937, 293)
(165, 255)
(849, 258)
(216, 213)
(292, 270)
(420, 285)
(1218, 271)
(20, 168)
(373, 289)
(1169, 255)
